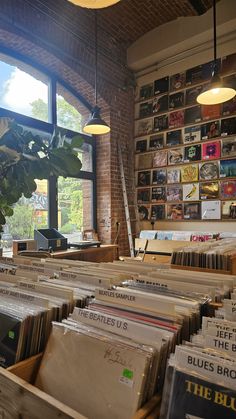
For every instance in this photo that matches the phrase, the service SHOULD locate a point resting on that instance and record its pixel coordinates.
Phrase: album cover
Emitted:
(174, 193)
(229, 107)
(192, 153)
(210, 111)
(228, 148)
(143, 195)
(211, 210)
(209, 190)
(175, 212)
(229, 210)
(210, 130)
(192, 115)
(176, 119)
(176, 100)
(192, 134)
(159, 177)
(230, 81)
(228, 126)
(158, 212)
(161, 85)
(228, 189)
(160, 123)
(143, 161)
(146, 91)
(144, 212)
(141, 146)
(207, 69)
(211, 150)
(173, 175)
(191, 192)
(159, 194)
(192, 94)
(144, 178)
(228, 168)
(229, 64)
(209, 171)
(189, 173)
(176, 155)
(160, 104)
(173, 138)
(156, 142)
(192, 211)
(145, 109)
(194, 75)
(145, 127)
(177, 81)
(160, 158)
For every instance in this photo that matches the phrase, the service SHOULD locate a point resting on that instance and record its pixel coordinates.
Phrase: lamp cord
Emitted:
(96, 55)
(214, 26)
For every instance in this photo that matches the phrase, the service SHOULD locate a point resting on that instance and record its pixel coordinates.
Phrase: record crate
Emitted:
(19, 398)
(231, 271)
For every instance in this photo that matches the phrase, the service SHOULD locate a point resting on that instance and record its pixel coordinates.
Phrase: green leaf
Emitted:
(77, 141)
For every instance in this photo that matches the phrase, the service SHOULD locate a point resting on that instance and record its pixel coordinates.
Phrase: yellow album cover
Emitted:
(189, 173)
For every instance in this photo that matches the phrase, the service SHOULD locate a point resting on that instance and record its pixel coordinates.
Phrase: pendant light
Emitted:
(94, 4)
(217, 91)
(96, 125)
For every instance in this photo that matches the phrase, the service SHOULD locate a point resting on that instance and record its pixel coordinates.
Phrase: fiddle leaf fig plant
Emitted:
(25, 156)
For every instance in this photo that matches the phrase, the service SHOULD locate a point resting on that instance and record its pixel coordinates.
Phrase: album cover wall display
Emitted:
(210, 112)
(192, 211)
(192, 134)
(173, 175)
(143, 161)
(230, 81)
(228, 148)
(156, 142)
(209, 171)
(192, 153)
(176, 119)
(174, 193)
(159, 177)
(177, 81)
(160, 104)
(141, 146)
(145, 109)
(158, 212)
(174, 212)
(211, 210)
(161, 86)
(228, 168)
(192, 115)
(194, 75)
(144, 212)
(160, 123)
(160, 158)
(191, 192)
(229, 210)
(189, 173)
(144, 178)
(143, 195)
(176, 155)
(176, 100)
(228, 126)
(146, 91)
(145, 127)
(229, 107)
(211, 150)
(192, 94)
(210, 130)
(209, 190)
(173, 138)
(159, 194)
(228, 189)
(229, 64)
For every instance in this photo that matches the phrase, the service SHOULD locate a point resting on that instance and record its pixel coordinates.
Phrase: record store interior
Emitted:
(117, 209)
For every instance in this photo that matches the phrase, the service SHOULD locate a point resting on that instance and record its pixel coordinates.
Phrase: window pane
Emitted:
(23, 89)
(68, 110)
(74, 207)
(85, 156)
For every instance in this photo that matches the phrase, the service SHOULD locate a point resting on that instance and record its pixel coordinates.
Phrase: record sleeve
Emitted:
(176, 155)
(176, 100)
(160, 104)
(228, 126)
(144, 127)
(191, 192)
(176, 119)
(175, 212)
(228, 168)
(228, 148)
(144, 212)
(143, 195)
(192, 211)
(192, 94)
(211, 210)
(173, 138)
(158, 212)
(141, 146)
(229, 107)
(143, 161)
(160, 123)
(159, 177)
(209, 171)
(211, 150)
(146, 91)
(194, 75)
(174, 193)
(229, 210)
(156, 142)
(228, 189)
(210, 130)
(192, 153)
(161, 85)
(230, 81)
(173, 175)
(177, 81)
(160, 158)
(192, 115)
(192, 134)
(159, 194)
(229, 64)
(144, 178)
(145, 109)
(189, 173)
(209, 190)
(210, 111)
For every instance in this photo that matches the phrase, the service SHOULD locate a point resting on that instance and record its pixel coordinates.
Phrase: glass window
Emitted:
(23, 89)
(68, 110)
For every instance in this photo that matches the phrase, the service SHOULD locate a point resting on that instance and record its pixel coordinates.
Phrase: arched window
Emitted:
(40, 102)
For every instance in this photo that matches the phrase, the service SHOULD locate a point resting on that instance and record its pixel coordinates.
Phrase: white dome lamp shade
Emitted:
(216, 92)
(94, 4)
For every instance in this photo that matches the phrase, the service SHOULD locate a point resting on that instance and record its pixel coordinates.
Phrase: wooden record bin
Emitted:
(19, 398)
(232, 270)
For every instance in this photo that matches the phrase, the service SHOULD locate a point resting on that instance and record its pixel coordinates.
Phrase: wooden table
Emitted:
(104, 253)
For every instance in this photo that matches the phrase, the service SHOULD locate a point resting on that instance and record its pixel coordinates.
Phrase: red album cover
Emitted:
(176, 119)
(211, 150)
(228, 189)
(210, 111)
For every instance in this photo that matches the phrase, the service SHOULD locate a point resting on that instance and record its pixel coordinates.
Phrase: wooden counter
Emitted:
(104, 253)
